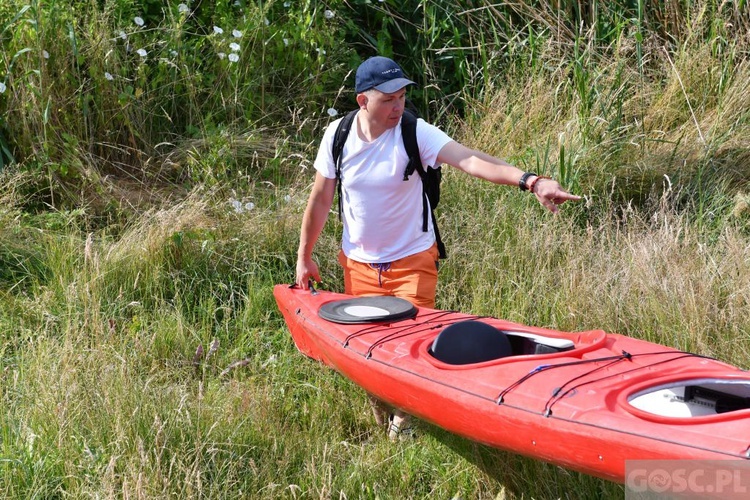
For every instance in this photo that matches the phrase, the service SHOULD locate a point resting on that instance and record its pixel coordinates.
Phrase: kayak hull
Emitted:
(589, 407)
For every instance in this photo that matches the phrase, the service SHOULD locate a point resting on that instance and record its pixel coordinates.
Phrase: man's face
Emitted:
(386, 109)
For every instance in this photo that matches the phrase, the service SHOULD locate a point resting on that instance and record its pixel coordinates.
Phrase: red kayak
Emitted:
(587, 401)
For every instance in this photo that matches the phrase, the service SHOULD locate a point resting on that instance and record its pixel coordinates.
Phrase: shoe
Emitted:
(399, 429)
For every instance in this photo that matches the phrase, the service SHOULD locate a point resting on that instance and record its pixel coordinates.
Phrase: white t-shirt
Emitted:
(382, 213)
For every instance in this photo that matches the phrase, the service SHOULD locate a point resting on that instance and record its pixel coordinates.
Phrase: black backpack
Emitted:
(430, 177)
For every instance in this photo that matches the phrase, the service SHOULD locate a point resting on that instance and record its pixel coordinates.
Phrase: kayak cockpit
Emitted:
(471, 341)
(681, 399)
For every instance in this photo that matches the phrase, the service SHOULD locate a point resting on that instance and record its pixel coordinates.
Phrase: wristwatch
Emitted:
(522, 181)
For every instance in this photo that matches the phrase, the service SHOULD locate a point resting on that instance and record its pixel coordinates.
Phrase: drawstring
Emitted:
(384, 266)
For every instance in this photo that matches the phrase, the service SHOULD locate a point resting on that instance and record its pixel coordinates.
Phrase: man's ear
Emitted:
(362, 101)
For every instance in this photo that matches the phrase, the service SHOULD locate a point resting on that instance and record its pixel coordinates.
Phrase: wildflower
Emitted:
(45, 54)
(3, 87)
(266, 21)
(328, 14)
(173, 53)
(108, 76)
(237, 33)
(332, 112)
(239, 207)
(183, 8)
(123, 35)
(286, 42)
(287, 4)
(234, 46)
(218, 30)
(320, 51)
(233, 57)
(138, 20)
(141, 52)
(287, 198)
(270, 361)
(221, 55)
(237, 3)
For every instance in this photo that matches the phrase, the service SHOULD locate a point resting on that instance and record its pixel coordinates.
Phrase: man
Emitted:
(385, 250)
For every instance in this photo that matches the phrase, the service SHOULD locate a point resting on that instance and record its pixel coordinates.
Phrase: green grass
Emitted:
(144, 220)
(103, 393)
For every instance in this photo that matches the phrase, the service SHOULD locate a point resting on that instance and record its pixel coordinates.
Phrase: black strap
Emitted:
(409, 135)
(339, 139)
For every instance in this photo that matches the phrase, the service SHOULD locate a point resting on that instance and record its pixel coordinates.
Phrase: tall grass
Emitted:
(147, 217)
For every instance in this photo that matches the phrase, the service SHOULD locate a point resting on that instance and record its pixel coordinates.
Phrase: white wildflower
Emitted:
(270, 361)
(141, 52)
(138, 20)
(332, 112)
(173, 53)
(287, 4)
(218, 30)
(286, 42)
(233, 57)
(239, 207)
(108, 76)
(3, 88)
(237, 3)
(328, 14)
(123, 35)
(287, 198)
(221, 55)
(237, 33)
(45, 54)
(266, 21)
(234, 46)
(183, 8)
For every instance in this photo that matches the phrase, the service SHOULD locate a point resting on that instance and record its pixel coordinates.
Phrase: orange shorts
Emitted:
(413, 278)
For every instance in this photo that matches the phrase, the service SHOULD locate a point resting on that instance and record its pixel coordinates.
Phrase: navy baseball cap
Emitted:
(382, 74)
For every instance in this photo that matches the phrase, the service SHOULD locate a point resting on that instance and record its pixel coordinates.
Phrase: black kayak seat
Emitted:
(469, 342)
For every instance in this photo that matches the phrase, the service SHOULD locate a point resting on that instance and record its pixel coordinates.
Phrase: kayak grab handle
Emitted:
(310, 285)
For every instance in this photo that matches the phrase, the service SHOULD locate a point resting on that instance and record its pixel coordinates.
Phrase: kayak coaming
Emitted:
(588, 426)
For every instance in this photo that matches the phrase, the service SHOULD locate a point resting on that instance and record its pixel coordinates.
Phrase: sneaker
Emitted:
(399, 429)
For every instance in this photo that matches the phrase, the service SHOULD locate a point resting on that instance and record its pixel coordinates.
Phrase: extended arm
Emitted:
(481, 165)
(316, 213)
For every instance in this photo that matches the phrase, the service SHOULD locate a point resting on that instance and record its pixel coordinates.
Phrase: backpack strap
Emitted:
(409, 135)
(339, 139)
